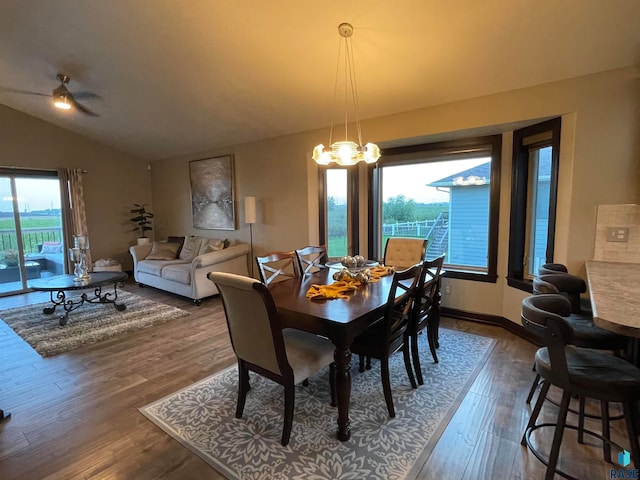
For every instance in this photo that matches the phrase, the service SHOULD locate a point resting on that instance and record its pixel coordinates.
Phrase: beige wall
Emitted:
(600, 152)
(616, 217)
(114, 180)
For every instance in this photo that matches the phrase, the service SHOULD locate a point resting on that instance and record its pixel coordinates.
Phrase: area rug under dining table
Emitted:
(202, 418)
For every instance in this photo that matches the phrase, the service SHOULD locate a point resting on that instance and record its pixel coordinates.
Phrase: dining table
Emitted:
(340, 320)
(615, 300)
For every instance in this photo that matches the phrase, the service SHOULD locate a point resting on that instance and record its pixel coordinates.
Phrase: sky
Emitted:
(407, 180)
(33, 194)
(411, 180)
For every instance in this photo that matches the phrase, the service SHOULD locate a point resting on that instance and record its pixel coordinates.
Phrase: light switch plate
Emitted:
(617, 234)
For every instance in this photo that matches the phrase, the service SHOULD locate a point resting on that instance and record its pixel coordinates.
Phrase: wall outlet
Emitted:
(617, 234)
(447, 289)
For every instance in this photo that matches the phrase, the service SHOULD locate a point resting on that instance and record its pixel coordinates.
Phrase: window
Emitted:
(31, 239)
(338, 212)
(446, 192)
(533, 200)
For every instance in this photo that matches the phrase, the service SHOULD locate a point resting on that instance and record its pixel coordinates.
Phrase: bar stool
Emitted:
(548, 268)
(586, 334)
(569, 285)
(578, 372)
(557, 268)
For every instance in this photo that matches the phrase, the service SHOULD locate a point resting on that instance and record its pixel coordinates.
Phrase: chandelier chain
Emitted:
(354, 89)
(335, 91)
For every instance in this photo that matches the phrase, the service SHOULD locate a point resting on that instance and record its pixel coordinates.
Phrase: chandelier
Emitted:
(346, 152)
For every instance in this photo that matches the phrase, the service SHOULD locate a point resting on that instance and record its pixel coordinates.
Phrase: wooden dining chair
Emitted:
(287, 356)
(387, 336)
(425, 314)
(311, 258)
(403, 252)
(278, 266)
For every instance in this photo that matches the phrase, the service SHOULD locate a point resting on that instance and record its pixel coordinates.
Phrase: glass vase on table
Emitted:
(78, 255)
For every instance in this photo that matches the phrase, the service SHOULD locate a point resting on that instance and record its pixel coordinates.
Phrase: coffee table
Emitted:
(59, 284)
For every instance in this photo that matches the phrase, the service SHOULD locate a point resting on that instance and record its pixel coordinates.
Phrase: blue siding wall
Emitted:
(541, 226)
(469, 226)
(540, 250)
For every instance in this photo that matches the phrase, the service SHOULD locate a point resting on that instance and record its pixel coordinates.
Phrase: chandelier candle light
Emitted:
(346, 152)
(78, 255)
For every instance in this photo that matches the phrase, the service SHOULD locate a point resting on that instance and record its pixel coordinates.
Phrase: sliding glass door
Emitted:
(31, 240)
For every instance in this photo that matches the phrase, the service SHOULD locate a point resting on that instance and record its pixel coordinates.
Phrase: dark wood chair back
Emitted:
(426, 291)
(426, 312)
(387, 336)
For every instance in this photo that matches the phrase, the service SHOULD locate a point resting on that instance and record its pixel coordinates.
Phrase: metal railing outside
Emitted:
(31, 238)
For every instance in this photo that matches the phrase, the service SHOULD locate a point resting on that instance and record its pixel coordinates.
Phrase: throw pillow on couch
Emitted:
(163, 251)
(190, 248)
(185, 248)
(213, 245)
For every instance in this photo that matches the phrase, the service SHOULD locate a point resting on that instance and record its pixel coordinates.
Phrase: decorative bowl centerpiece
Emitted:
(353, 268)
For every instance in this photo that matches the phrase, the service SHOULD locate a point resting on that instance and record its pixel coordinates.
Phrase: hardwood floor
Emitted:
(75, 415)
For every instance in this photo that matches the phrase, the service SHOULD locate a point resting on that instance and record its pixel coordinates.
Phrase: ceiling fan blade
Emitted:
(82, 108)
(86, 96)
(24, 92)
(62, 94)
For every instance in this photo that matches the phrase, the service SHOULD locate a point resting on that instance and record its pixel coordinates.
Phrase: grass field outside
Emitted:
(337, 246)
(7, 223)
(35, 230)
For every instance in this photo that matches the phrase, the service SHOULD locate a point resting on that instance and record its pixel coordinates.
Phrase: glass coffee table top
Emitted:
(67, 282)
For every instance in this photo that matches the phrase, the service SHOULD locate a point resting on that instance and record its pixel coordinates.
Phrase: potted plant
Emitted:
(142, 219)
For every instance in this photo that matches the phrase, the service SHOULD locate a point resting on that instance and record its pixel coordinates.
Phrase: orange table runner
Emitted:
(346, 285)
(380, 271)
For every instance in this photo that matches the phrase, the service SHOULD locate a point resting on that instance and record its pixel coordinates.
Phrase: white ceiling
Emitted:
(179, 77)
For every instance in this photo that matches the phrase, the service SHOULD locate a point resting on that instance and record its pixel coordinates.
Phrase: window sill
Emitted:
(524, 285)
(474, 276)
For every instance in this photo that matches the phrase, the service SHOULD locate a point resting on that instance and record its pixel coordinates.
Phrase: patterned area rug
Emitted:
(202, 418)
(91, 323)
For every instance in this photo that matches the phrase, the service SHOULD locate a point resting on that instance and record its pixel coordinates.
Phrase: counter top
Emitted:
(614, 288)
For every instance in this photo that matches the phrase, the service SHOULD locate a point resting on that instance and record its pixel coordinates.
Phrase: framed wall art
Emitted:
(212, 193)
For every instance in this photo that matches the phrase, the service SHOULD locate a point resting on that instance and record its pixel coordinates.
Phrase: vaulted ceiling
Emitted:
(178, 77)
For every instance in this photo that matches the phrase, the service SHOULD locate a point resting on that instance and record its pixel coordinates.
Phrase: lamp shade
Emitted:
(249, 209)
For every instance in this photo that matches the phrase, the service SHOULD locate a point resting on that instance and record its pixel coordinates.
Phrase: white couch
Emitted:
(188, 278)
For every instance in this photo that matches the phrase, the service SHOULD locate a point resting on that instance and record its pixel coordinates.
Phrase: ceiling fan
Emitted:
(62, 97)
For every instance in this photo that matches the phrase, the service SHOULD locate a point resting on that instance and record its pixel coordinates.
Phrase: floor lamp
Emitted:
(250, 218)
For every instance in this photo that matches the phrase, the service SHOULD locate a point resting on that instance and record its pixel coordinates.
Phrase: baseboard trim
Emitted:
(487, 319)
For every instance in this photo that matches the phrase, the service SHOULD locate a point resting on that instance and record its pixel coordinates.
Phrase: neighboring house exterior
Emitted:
(468, 232)
(468, 215)
(538, 251)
